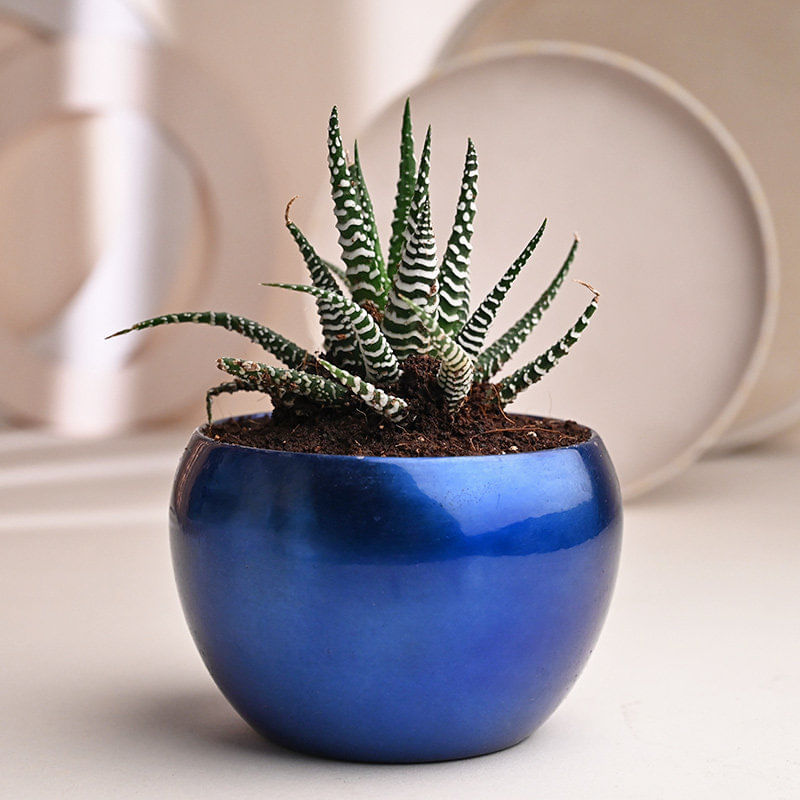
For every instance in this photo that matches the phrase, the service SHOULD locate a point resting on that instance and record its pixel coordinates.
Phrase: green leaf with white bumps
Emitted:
(416, 280)
(229, 387)
(280, 382)
(358, 249)
(473, 334)
(454, 271)
(491, 360)
(317, 269)
(340, 339)
(405, 192)
(422, 188)
(455, 373)
(336, 270)
(378, 361)
(392, 407)
(279, 346)
(533, 372)
(369, 224)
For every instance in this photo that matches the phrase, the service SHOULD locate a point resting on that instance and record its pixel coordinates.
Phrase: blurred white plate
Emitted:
(675, 235)
(742, 60)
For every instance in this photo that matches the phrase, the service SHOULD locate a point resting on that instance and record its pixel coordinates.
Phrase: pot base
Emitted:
(408, 758)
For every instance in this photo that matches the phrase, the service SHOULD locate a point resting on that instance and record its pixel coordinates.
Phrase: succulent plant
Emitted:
(378, 310)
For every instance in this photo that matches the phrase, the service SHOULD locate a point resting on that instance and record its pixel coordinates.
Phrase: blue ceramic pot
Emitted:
(395, 609)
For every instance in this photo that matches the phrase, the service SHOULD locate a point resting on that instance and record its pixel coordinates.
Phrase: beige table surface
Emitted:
(693, 691)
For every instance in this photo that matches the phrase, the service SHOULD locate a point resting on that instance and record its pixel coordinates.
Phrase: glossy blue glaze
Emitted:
(395, 609)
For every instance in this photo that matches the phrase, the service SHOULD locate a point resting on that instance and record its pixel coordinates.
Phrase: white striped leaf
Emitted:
(422, 188)
(340, 339)
(405, 192)
(456, 371)
(358, 248)
(281, 383)
(369, 223)
(336, 270)
(491, 360)
(279, 346)
(378, 361)
(534, 371)
(454, 271)
(415, 279)
(473, 334)
(393, 408)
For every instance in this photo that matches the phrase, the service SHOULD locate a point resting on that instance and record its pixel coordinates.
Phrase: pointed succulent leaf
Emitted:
(336, 270)
(279, 346)
(379, 362)
(473, 334)
(369, 222)
(421, 188)
(317, 268)
(229, 387)
(526, 376)
(454, 272)
(455, 374)
(358, 250)
(491, 360)
(340, 339)
(416, 280)
(392, 407)
(405, 192)
(280, 382)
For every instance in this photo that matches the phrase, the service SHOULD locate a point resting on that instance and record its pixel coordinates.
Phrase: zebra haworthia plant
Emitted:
(378, 310)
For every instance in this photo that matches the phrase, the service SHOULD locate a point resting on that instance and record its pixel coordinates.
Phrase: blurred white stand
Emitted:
(693, 691)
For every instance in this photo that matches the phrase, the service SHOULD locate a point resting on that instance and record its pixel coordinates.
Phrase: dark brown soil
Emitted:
(479, 428)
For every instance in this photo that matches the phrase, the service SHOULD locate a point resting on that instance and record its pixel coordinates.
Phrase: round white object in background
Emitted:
(742, 60)
(675, 235)
(187, 131)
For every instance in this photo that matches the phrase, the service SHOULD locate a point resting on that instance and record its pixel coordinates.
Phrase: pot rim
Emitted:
(593, 440)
